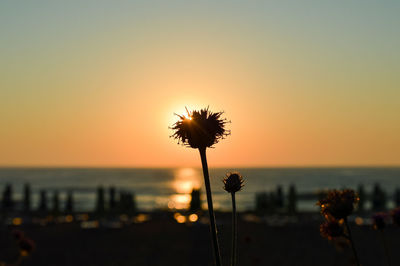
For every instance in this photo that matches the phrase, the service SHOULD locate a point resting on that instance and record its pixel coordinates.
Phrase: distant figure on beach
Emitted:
(56, 203)
(69, 205)
(292, 199)
(195, 202)
(262, 203)
(378, 198)
(43, 202)
(127, 203)
(362, 196)
(397, 197)
(7, 201)
(112, 204)
(100, 208)
(27, 197)
(279, 199)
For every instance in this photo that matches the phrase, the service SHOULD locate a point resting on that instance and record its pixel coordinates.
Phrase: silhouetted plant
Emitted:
(339, 203)
(233, 182)
(201, 130)
(27, 197)
(379, 221)
(336, 208)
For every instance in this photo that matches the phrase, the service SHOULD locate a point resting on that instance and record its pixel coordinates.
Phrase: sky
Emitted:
(97, 83)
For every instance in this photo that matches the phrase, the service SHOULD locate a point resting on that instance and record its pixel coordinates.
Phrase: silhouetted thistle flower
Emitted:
(339, 203)
(201, 130)
(395, 213)
(379, 220)
(331, 229)
(337, 206)
(233, 182)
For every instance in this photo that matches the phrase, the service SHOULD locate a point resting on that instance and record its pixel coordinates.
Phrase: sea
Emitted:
(169, 188)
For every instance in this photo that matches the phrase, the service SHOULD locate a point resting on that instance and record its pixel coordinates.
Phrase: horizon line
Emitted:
(215, 167)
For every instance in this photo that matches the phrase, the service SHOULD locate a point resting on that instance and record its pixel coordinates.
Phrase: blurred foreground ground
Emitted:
(163, 241)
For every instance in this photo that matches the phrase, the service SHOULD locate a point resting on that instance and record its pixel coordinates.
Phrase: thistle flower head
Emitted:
(379, 220)
(233, 182)
(339, 203)
(331, 229)
(396, 216)
(201, 129)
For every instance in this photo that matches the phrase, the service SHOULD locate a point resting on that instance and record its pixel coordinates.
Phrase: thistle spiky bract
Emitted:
(233, 182)
(200, 129)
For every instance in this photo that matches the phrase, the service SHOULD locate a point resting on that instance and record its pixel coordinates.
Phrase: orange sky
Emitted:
(98, 85)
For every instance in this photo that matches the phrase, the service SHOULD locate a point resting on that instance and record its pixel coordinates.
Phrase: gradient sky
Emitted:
(96, 83)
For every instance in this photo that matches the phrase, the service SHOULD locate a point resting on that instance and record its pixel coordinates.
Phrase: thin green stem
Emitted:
(213, 227)
(234, 230)
(385, 247)
(351, 241)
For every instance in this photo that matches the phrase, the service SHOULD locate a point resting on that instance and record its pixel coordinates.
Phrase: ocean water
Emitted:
(162, 187)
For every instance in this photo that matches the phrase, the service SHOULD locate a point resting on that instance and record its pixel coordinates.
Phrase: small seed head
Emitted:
(233, 182)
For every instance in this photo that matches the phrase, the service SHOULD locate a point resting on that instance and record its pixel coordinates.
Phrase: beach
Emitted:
(274, 240)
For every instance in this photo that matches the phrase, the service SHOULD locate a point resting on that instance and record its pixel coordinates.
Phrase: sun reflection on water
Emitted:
(185, 180)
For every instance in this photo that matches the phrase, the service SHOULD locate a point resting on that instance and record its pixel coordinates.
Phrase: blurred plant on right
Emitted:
(336, 207)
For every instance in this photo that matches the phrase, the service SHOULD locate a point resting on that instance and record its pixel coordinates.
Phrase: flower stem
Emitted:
(234, 230)
(213, 227)
(385, 247)
(351, 241)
